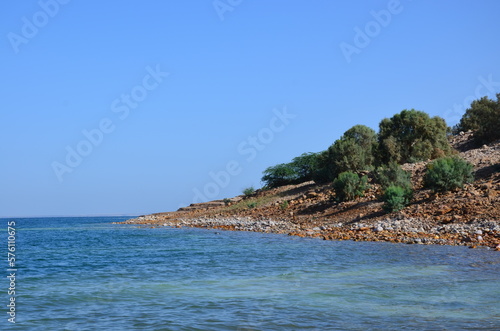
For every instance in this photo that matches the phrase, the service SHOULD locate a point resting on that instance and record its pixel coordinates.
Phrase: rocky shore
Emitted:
(410, 231)
(469, 217)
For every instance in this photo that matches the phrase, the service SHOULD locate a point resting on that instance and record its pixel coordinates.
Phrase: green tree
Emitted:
(354, 151)
(301, 169)
(448, 173)
(349, 186)
(321, 172)
(412, 136)
(483, 117)
(279, 175)
(304, 166)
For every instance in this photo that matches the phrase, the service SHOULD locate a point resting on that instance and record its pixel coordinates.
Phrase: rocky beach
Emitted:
(468, 216)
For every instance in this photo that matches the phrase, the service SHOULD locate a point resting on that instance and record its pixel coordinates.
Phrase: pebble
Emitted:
(406, 230)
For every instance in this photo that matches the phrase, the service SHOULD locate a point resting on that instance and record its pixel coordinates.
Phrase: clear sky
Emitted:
(135, 107)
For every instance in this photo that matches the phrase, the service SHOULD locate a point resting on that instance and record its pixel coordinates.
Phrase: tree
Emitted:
(354, 151)
(321, 172)
(304, 166)
(301, 169)
(279, 175)
(412, 136)
(483, 117)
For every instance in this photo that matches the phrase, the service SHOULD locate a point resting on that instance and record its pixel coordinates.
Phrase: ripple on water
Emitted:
(83, 273)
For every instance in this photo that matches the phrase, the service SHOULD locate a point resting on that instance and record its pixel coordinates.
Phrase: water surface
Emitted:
(88, 274)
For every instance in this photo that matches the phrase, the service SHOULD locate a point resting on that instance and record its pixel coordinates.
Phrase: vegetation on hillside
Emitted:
(412, 136)
(396, 186)
(448, 173)
(349, 186)
(407, 137)
(483, 117)
(301, 169)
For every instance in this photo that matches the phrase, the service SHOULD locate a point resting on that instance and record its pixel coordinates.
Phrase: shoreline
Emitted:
(476, 234)
(469, 216)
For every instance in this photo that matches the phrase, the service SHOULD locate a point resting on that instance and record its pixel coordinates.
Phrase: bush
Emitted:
(249, 191)
(252, 205)
(412, 136)
(448, 173)
(393, 175)
(483, 117)
(395, 198)
(354, 151)
(284, 205)
(349, 185)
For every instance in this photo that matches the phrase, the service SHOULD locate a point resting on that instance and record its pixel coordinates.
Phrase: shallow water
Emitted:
(88, 274)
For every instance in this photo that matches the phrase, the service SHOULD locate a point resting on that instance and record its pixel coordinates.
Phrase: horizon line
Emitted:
(52, 216)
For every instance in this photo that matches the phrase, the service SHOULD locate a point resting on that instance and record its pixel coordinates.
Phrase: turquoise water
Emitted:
(88, 274)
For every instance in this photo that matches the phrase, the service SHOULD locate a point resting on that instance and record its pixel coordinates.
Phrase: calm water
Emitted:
(87, 274)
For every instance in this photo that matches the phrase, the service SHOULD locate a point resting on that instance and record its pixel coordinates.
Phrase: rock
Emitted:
(378, 228)
(311, 194)
(486, 186)
(479, 238)
(444, 210)
(491, 193)
(479, 232)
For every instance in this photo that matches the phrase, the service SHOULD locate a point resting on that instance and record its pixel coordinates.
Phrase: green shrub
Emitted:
(396, 198)
(412, 136)
(226, 201)
(284, 205)
(252, 205)
(249, 191)
(393, 175)
(349, 185)
(483, 117)
(448, 173)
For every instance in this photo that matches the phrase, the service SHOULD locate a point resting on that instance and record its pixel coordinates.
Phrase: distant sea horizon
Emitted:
(75, 216)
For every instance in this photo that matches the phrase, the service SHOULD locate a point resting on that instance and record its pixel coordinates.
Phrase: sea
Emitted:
(86, 273)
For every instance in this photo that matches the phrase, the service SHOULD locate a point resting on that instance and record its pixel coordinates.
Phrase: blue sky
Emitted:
(138, 107)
